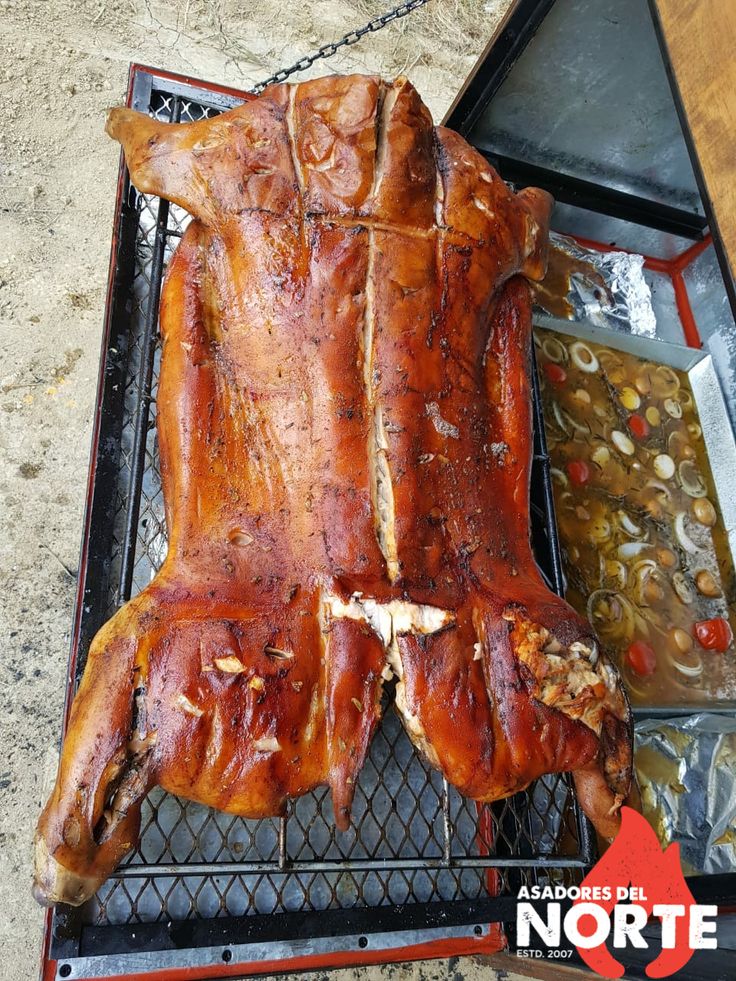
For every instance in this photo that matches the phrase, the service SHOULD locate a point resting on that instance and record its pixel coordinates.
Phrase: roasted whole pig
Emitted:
(345, 435)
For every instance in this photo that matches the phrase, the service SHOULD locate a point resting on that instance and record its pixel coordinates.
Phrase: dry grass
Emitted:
(435, 45)
(461, 26)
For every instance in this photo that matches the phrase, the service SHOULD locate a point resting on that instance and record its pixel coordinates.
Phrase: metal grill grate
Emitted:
(413, 839)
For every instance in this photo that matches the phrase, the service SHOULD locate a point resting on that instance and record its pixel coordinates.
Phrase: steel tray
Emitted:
(720, 447)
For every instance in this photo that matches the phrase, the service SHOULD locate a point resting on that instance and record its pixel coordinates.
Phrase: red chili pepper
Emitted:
(714, 635)
(641, 658)
(639, 426)
(579, 472)
(555, 372)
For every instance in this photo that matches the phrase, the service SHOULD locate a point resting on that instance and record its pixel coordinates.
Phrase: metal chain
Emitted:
(352, 37)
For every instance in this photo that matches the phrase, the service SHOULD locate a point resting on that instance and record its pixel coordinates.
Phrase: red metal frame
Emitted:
(437, 948)
(674, 268)
(186, 80)
(483, 840)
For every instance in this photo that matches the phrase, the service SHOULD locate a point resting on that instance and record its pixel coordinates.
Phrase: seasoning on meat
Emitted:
(345, 435)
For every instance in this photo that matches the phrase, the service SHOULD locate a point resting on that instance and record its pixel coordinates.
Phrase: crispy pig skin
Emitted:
(345, 438)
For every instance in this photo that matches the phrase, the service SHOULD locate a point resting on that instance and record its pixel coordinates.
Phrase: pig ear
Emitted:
(215, 168)
(161, 157)
(538, 205)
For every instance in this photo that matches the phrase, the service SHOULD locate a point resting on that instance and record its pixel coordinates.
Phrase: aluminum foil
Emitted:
(687, 776)
(606, 289)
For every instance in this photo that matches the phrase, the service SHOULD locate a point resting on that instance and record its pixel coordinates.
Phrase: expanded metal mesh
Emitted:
(413, 839)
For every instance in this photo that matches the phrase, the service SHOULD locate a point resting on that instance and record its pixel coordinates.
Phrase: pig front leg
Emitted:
(92, 818)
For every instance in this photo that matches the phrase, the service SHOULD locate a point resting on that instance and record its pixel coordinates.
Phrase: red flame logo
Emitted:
(635, 859)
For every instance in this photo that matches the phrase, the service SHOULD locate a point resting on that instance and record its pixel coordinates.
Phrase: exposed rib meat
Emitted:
(345, 437)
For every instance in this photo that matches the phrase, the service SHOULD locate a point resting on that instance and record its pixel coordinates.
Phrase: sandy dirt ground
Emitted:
(64, 62)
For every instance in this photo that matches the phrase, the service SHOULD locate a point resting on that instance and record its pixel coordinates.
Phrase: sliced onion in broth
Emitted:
(691, 479)
(554, 349)
(583, 358)
(612, 615)
(665, 382)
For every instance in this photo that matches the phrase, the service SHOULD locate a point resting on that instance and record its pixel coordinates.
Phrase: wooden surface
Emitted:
(701, 41)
